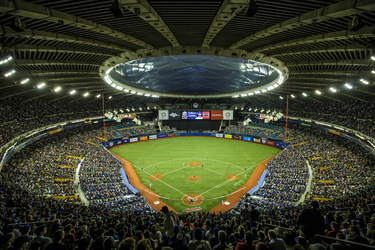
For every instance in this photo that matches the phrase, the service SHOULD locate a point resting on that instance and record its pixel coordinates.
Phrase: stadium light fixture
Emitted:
(110, 97)
(57, 89)
(243, 95)
(264, 90)
(304, 94)
(119, 88)
(373, 58)
(98, 96)
(293, 96)
(281, 97)
(257, 92)
(251, 93)
(373, 71)
(147, 94)
(348, 86)
(39, 86)
(72, 92)
(86, 94)
(364, 81)
(318, 92)
(9, 73)
(133, 92)
(155, 96)
(236, 96)
(25, 81)
(9, 58)
(333, 90)
(139, 93)
(126, 90)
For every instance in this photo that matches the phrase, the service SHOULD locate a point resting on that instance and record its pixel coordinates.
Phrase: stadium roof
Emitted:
(71, 44)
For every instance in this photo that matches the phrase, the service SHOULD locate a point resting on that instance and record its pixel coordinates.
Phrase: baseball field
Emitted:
(194, 172)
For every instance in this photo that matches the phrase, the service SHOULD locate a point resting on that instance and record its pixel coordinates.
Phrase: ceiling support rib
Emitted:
(39, 12)
(336, 10)
(228, 10)
(354, 62)
(149, 14)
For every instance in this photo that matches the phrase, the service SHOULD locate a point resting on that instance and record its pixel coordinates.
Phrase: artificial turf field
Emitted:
(178, 158)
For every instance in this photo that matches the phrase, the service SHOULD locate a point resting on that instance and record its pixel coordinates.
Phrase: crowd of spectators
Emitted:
(286, 179)
(240, 129)
(100, 177)
(20, 117)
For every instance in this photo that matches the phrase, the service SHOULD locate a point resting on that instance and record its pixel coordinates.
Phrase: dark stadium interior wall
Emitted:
(193, 124)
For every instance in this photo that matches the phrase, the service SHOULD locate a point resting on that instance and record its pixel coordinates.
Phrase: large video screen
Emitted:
(195, 115)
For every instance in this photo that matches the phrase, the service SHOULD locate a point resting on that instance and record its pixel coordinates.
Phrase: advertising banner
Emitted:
(216, 115)
(206, 115)
(174, 115)
(134, 139)
(177, 134)
(245, 138)
(143, 138)
(220, 135)
(264, 141)
(228, 136)
(55, 131)
(256, 140)
(270, 143)
(195, 115)
(119, 142)
(152, 137)
(237, 137)
(163, 114)
(334, 132)
(125, 141)
(228, 114)
(170, 135)
(162, 136)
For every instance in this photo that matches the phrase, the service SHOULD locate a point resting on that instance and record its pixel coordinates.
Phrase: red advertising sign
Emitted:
(270, 143)
(217, 115)
(206, 114)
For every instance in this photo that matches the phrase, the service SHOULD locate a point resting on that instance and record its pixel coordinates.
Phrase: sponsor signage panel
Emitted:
(256, 140)
(194, 115)
(119, 142)
(237, 137)
(134, 139)
(206, 115)
(228, 114)
(143, 138)
(217, 115)
(174, 115)
(125, 141)
(163, 114)
(152, 137)
(270, 143)
(220, 135)
(228, 136)
(245, 138)
(264, 141)
(162, 136)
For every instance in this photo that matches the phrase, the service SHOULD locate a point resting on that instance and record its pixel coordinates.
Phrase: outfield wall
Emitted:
(266, 141)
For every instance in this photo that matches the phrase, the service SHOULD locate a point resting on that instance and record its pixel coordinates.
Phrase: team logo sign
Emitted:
(163, 115)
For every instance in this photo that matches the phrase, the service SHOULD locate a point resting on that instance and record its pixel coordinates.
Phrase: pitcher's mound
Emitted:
(155, 177)
(193, 178)
(192, 199)
(194, 163)
(231, 177)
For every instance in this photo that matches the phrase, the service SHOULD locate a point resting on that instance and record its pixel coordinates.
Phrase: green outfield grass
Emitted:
(171, 157)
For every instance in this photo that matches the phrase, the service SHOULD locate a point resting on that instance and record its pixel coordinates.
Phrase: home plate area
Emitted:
(192, 199)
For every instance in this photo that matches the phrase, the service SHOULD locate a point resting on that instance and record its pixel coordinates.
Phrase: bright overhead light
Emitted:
(25, 81)
(126, 90)
(98, 96)
(236, 96)
(57, 89)
(119, 88)
(251, 93)
(72, 92)
(243, 95)
(318, 92)
(292, 96)
(6, 60)
(86, 94)
(304, 94)
(373, 71)
(155, 96)
(373, 58)
(139, 93)
(147, 94)
(257, 92)
(364, 81)
(10, 73)
(264, 90)
(133, 92)
(41, 85)
(348, 86)
(333, 89)
(281, 97)
(110, 97)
